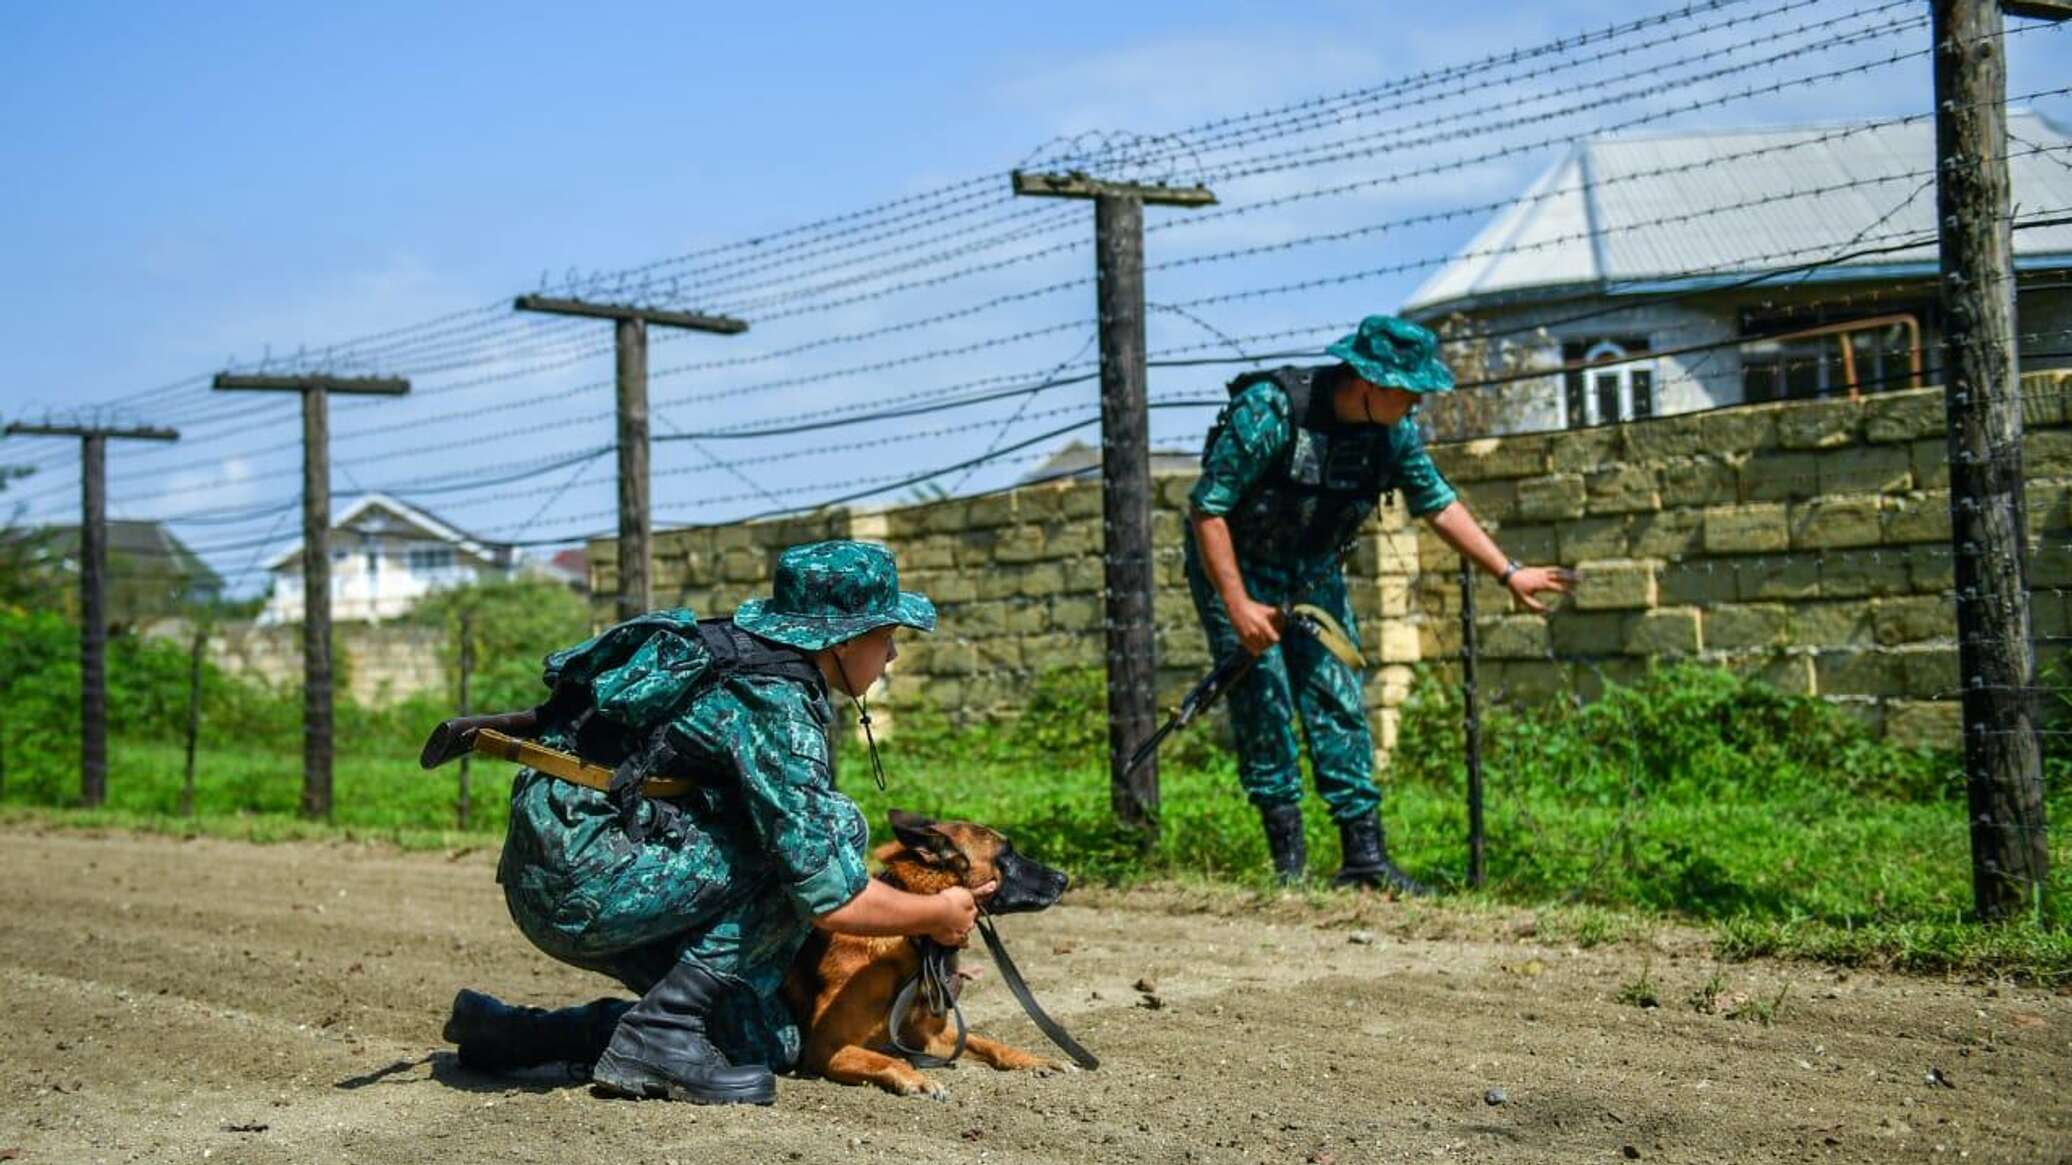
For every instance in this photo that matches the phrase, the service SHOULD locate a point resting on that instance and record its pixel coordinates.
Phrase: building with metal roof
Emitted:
(1755, 264)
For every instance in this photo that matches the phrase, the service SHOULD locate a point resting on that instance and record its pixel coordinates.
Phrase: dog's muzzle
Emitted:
(1024, 885)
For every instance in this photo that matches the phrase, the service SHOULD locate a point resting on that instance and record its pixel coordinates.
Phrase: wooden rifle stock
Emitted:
(567, 766)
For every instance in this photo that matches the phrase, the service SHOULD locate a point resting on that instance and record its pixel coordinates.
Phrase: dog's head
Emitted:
(932, 855)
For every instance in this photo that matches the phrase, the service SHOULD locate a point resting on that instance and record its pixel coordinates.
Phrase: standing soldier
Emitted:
(1293, 465)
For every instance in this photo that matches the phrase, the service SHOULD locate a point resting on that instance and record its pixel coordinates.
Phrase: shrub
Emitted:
(515, 623)
(1699, 729)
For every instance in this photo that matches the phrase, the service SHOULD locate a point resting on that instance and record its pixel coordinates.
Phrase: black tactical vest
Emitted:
(1314, 496)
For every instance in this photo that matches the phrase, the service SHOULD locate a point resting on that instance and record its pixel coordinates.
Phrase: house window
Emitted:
(429, 558)
(1621, 391)
(1783, 362)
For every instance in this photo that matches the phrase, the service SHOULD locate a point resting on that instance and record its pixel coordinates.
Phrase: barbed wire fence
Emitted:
(880, 335)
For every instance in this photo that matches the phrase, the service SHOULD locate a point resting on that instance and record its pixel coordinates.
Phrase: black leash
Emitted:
(935, 986)
(1015, 983)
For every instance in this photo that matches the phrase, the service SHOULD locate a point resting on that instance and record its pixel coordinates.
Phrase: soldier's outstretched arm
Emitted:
(1462, 532)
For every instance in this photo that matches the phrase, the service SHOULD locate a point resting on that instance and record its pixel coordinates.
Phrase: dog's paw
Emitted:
(922, 1086)
(1056, 1068)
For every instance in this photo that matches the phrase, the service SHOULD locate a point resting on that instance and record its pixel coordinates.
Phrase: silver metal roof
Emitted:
(1634, 214)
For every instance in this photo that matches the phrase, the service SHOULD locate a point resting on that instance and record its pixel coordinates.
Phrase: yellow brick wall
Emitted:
(1805, 542)
(377, 664)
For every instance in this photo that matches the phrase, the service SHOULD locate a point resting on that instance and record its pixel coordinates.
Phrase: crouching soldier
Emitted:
(1293, 465)
(698, 901)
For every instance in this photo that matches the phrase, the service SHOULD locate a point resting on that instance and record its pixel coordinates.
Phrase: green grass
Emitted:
(1692, 794)
(371, 793)
(1690, 797)
(2022, 949)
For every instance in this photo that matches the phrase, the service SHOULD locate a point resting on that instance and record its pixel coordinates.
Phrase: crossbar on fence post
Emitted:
(630, 323)
(1471, 724)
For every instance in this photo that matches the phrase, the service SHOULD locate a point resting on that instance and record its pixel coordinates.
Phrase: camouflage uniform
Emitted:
(730, 876)
(1254, 439)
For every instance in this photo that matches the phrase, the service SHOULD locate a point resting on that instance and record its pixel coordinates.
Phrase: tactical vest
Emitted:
(617, 689)
(617, 694)
(1314, 496)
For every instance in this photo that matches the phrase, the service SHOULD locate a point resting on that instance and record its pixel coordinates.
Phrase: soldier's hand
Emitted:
(1258, 625)
(1532, 580)
(958, 913)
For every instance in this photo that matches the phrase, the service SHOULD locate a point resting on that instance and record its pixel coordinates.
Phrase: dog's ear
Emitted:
(926, 842)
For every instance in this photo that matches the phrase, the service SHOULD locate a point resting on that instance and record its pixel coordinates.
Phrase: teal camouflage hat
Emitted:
(827, 592)
(1395, 353)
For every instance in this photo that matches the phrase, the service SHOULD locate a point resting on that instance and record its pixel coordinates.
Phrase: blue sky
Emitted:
(184, 185)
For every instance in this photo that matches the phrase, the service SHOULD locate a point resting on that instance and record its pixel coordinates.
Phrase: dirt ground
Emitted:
(166, 1001)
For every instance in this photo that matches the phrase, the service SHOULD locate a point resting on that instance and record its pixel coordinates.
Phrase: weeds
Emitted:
(1704, 999)
(1757, 1010)
(1641, 992)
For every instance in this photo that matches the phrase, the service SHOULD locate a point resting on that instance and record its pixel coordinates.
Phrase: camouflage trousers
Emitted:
(696, 890)
(1296, 677)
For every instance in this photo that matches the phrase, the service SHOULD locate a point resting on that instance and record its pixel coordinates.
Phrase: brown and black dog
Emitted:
(840, 987)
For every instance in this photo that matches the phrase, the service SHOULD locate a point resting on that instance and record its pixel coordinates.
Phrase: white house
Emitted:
(1716, 267)
(385, 555)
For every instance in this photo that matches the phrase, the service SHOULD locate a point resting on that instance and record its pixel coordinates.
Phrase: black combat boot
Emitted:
(660, 1049)
(1367, 859)
(1284, 839)
(493, 1036)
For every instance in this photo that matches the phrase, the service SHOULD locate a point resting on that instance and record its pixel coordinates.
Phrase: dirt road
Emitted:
(170, 1001)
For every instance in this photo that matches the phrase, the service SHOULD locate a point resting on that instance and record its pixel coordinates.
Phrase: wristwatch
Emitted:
(1511, 567)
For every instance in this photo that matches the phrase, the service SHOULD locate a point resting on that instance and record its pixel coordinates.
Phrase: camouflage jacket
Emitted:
(768, 742)
(758, 747)
(1256, 432)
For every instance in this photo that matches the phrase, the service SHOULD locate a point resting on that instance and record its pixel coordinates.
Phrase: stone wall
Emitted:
(1804, 542)
(1016, 577)
(377, 663)
(1807, 543)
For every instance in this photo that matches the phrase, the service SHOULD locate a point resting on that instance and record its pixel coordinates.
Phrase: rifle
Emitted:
(457, 736)
(566, 766)
(1304, 618)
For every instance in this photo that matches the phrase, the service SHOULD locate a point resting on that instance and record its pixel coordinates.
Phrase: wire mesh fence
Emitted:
(1642, 286)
